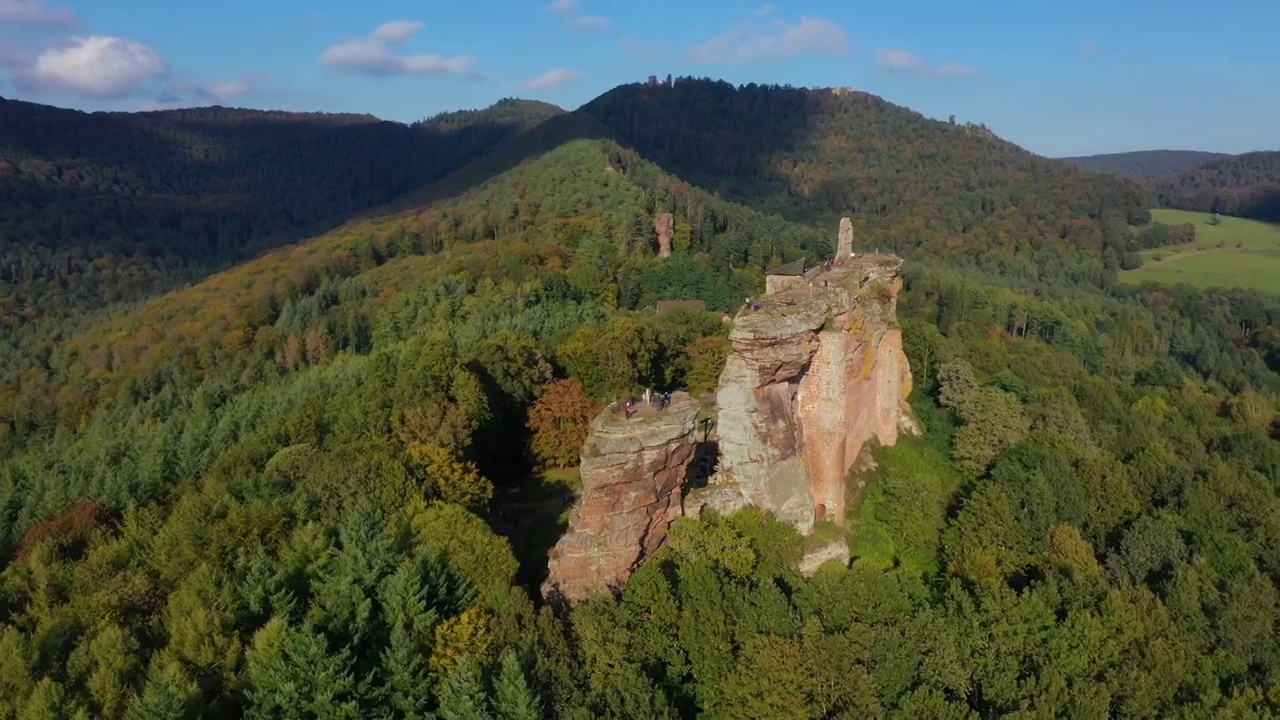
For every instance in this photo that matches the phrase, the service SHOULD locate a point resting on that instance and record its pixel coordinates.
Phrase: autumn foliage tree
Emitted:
(559, 421)
(455, 480)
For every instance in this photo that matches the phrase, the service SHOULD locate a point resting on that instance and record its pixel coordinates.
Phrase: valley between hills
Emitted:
(319, 415)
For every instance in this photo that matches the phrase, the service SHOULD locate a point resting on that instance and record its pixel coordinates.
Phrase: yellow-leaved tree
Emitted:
(456, 481)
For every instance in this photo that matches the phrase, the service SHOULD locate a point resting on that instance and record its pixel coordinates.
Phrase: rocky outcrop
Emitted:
(815, 557)
(632, 474)
(844, 240)
(815, 374)
(663, 226)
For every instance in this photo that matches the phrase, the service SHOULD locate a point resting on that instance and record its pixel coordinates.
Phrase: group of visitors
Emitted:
(657, 399)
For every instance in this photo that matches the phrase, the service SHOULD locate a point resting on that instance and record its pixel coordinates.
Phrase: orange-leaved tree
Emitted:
(559, 421)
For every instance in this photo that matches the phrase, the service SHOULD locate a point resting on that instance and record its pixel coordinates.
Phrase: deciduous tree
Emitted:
(560, 420)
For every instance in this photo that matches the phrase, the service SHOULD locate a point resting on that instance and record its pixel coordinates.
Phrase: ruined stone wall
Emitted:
(815, 374)
(777, 283)
(632, 475)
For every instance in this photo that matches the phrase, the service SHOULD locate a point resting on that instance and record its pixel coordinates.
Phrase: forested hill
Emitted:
(907, 181)
(1244, 185)
(319, 483)
(109, 206)
(507, 111)
(1144, 165)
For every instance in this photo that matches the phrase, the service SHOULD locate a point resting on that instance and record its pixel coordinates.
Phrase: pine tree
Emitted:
(292, 673)
(462, 696)
(513, 699)
(406, 686)
(169, 692)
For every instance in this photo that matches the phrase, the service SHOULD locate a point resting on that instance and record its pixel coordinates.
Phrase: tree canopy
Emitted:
(314, 483)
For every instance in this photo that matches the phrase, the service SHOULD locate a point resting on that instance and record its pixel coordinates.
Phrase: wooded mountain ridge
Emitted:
(319, 482)
(1145, 165)
(1246, 185)
(117, 206)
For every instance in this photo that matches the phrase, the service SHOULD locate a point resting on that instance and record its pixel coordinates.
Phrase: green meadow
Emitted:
(1234, 253)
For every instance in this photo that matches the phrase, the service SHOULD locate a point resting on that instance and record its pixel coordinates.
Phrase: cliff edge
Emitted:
(817, 371)
(633, 472)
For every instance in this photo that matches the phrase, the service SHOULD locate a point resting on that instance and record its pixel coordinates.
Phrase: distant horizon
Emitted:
(1066, 79)
(302, 110)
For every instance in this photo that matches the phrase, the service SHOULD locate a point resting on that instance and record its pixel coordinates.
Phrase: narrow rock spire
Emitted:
(844, 241)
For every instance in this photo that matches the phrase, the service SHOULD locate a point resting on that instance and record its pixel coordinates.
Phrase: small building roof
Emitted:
(792, 268)
(665, 306)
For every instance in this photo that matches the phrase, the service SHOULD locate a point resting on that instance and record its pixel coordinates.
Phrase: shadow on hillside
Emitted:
(218, 186)
(533, 516)
(706, 133)
(214, 186)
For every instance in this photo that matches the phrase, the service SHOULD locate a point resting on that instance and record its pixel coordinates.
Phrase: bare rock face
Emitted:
(814, 375)
(663, 225)
(632, 475)
(814, 558)
(844, 241)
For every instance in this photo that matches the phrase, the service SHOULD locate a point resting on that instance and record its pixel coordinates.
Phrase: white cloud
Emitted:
(188, 94)
(764, 10)
(35, 12)
(399, 31)
(564, 7)
(1089, 47)
(373, 55)
(218, 92)
(955, 70)
(591, 22)
(97, 66)
(549, 79)
(778, 40)
(226, 90)
(895, 60)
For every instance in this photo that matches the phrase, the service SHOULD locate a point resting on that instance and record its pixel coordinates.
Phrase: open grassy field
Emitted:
(1233, 253)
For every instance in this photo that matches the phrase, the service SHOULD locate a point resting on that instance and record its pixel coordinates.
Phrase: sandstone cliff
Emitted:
(815, 373)
(632, 477)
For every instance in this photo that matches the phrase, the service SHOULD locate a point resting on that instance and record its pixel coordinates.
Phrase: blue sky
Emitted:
(1058, 78)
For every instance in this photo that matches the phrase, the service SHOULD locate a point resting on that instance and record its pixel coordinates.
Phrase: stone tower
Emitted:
(844, 241)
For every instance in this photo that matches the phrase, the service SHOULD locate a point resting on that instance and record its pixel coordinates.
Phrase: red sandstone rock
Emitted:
(632, 475)
(815, 374)
(663, 224)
